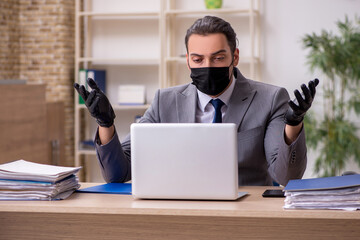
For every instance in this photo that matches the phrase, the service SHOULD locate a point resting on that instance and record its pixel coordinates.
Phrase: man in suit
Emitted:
(271, 138)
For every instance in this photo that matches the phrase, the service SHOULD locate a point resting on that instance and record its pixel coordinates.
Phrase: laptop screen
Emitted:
(184, 160)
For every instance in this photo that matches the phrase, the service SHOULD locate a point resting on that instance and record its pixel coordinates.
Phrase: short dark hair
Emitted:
(211, 24)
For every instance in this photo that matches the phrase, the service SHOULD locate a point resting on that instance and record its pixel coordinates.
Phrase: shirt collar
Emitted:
(204, 99)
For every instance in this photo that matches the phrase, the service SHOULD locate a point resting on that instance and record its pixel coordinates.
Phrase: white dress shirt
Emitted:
(205, 111)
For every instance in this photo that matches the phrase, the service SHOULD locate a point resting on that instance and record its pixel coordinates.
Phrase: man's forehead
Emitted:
(208, 44)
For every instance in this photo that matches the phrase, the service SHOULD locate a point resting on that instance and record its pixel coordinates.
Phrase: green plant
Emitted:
(338, 58)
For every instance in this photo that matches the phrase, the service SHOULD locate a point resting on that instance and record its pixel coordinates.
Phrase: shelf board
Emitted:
(122, 107)
(175, 59)
(131, 107)
(119, 61)
(86, 152)
(212, 11)
(121, 14)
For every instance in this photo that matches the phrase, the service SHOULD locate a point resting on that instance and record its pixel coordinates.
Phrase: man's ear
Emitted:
(236, 57)
(187, 61)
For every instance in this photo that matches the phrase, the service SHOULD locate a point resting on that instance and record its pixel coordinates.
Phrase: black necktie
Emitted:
(217, 103)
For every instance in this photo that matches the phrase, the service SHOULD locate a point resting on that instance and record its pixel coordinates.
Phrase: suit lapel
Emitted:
(186, 104)
(240, 101)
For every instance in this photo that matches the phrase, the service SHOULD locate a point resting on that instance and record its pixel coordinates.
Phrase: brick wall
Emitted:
(37, 38)
(9, 39)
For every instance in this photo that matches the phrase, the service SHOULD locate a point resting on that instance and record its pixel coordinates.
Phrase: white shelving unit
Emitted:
(239, 12)
(146, 46)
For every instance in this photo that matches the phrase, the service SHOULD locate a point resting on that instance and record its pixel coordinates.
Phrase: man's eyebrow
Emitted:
(215, 53)
(195, 54)
(220, 51)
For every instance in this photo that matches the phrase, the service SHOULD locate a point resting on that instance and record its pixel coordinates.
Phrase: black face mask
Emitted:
(210, 80)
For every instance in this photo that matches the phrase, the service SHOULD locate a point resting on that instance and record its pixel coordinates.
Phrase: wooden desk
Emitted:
(108, 216)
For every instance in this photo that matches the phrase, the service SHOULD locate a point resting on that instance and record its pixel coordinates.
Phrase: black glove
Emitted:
(299, 106)
(97, 103)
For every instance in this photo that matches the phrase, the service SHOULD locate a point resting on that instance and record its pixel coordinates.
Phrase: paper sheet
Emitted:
(25, 170)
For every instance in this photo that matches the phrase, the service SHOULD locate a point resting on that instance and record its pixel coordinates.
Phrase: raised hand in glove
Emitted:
(299, 106)
(97, 103)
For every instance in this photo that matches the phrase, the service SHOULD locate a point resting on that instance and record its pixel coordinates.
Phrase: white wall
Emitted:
(284, 23)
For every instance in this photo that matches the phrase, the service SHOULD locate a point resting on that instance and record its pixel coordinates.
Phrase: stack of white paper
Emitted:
(342, 192)
(23, 180)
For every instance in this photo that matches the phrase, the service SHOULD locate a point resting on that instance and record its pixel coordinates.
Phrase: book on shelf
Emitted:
(340, 192)
(137, 118)
(87, 145)
(82, 81)
(99, 77)
(24, 180)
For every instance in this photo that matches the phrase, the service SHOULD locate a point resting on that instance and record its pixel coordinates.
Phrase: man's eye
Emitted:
(218, 58)
(196, 60)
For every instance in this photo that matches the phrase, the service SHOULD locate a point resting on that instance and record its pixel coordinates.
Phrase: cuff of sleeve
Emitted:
(295, 151)
(107, 156)
(100, 147)
(300, 136)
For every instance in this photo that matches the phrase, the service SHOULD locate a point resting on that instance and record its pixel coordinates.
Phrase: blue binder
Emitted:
(323, 183)
(110, 188)
(99, 77)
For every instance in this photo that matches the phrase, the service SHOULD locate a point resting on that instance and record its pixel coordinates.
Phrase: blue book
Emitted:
(111, 188)
(323, 183)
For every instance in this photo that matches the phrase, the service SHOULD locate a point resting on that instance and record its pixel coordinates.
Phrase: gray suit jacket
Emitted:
(258, 111)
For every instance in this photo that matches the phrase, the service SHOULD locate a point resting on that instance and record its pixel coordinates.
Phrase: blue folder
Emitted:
(110, 188)
(323, 183)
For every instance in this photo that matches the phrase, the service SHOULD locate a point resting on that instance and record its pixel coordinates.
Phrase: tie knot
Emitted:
(217, 103)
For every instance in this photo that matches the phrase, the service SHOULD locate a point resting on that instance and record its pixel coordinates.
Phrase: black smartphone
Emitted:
(273, 193)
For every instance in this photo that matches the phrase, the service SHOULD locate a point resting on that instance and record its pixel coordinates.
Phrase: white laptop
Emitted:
(184, 161)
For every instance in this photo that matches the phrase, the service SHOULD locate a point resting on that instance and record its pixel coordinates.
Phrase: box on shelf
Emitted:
(131, 94)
